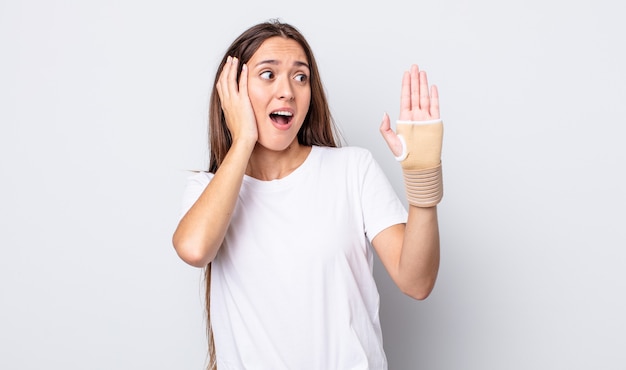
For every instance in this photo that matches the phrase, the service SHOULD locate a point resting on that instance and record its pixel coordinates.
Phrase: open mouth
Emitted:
(281, 117)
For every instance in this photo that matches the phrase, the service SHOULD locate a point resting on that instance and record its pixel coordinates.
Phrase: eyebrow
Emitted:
(275, 62)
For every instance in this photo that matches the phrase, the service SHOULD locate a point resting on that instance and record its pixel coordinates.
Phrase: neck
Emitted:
(267, 165)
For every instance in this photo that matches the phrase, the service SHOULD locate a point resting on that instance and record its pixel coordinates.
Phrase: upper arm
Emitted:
(388, 246)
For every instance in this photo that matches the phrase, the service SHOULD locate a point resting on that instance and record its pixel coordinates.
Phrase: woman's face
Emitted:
(279, 90)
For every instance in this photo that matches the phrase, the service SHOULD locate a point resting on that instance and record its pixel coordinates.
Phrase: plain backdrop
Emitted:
(103, 109)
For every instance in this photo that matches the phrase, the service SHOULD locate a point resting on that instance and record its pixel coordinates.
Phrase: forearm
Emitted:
(201, 231)
(419, 260)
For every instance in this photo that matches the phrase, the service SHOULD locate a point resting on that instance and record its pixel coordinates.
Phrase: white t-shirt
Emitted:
(292, 285)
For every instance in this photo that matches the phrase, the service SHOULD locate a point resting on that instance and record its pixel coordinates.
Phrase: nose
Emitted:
(284, 90)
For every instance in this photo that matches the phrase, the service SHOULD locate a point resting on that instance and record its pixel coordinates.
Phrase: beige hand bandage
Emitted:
(421, 161)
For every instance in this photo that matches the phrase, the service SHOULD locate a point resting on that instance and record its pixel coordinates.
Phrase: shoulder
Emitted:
(199, 178)
(197, 181)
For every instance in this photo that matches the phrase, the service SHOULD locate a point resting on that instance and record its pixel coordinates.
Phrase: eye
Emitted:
(267, 75)
(301, 77)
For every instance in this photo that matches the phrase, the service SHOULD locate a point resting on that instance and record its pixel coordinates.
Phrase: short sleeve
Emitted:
(196, 184)
(381, 206)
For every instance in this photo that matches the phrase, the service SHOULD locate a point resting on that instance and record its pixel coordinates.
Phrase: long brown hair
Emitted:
(318, 127)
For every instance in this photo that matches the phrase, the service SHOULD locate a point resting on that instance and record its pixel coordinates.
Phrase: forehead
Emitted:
(279, 49)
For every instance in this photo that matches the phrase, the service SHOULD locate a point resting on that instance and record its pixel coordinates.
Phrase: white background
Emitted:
(103, 109)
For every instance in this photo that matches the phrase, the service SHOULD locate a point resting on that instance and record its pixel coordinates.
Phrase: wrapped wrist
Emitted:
(424, 188)
(421, 161)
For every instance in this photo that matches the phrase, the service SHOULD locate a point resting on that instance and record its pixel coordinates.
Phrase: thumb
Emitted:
(390, 136)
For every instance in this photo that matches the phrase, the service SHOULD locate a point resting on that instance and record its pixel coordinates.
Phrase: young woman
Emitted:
(284, 220)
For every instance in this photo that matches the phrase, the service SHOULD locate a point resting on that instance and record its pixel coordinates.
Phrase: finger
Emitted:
(243, 80)
(222, 82)
(385, 125)
(415, 87)
(405, 97)
(392, 140)
(385, 129)
(434, 102)
(424, 98)
(232, 76)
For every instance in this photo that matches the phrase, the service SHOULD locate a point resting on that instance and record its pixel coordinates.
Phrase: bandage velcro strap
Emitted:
(424, 188)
